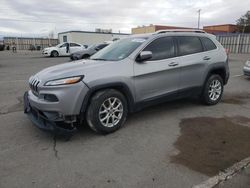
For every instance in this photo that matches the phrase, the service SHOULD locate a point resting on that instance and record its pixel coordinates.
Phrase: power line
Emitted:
(70, 21)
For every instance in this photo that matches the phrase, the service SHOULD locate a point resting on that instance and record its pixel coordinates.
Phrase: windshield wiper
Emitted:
(99, 59)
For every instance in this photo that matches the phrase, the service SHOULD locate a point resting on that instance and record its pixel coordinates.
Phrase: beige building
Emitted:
(88, 37)
(153, 28)
(225, 28)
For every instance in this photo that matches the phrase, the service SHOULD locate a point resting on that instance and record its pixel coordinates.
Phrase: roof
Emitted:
(92, 32)
(219, 25)
(33, 38)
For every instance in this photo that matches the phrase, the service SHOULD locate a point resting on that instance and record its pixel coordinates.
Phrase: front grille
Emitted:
(34, 82)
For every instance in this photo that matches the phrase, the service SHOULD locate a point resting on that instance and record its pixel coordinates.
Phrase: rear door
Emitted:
(74, 47)
(193, 62)
(158, 76)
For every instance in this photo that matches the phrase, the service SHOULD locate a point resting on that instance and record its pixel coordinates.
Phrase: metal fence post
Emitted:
(238, 44)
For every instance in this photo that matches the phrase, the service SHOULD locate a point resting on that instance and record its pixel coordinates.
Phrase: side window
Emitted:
(189, 45)
(74, 45)
(161, 48)
(64, 45)
(208, 43)
(65, 38)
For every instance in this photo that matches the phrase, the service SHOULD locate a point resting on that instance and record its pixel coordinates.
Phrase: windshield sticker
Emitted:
(139, 40)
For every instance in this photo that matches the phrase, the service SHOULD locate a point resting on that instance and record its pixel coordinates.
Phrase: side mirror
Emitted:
(97, 48)
(144, 55)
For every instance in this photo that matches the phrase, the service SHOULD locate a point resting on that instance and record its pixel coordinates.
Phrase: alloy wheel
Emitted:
(215, 89)
(110, 112)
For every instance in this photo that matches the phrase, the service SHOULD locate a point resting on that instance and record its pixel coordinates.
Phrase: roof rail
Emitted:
(179, 30)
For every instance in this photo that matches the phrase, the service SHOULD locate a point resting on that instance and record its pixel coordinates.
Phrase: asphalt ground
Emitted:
(176, 144)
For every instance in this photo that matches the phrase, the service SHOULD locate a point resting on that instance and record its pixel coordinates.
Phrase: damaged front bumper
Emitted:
(47, 121)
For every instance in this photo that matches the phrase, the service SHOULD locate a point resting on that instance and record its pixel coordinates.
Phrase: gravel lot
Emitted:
(157, 147)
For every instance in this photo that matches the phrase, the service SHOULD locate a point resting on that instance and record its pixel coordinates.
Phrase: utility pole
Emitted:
(199, 16)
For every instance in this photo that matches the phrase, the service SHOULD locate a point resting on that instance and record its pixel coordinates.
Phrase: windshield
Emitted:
(92, 46)
(119, 49)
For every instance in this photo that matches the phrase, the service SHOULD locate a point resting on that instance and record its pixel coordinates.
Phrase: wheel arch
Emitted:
(121, 87)
(220, 70)
(85, 55)
(54, 50)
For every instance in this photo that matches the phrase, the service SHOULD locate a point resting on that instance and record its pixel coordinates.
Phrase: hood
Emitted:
(50, 48)
(81, 67)
(85, 51)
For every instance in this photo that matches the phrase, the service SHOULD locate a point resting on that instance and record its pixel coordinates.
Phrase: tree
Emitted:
(243, 23)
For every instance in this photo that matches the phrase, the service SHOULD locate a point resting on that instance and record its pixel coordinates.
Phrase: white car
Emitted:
(61, 49)
(246, 68)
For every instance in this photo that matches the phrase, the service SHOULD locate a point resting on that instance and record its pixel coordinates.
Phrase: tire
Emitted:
(102, 116)
(54, 54)
(85, 56)
(213, 90)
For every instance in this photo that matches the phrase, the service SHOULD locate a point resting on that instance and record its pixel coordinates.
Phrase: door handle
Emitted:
(173, 64)
(206, 58)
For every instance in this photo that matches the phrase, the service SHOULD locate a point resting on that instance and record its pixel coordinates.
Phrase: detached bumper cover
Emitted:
(41, 121)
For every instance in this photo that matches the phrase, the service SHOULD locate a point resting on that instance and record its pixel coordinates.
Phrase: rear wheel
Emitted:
(107, 111)
(85, 56)
(54, 54)
(213, 90)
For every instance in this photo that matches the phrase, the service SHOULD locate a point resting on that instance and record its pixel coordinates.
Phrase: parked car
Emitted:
(2, 46)
(61, 49)
(83, 54)
(126, 76)
(246, 68)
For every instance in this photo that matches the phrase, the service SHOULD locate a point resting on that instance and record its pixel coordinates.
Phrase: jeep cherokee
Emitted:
(126, 76)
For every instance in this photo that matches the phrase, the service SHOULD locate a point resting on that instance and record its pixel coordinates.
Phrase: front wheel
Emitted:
(213, 90)
(107, 111)
(54, 54)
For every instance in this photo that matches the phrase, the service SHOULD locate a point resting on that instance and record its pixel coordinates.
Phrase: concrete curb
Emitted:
(223, 176)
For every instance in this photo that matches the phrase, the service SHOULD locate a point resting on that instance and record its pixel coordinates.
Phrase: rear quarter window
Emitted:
(208, 44)
(189, 45)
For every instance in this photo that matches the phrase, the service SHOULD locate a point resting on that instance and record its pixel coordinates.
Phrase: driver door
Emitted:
(160, 75)
(62, 49)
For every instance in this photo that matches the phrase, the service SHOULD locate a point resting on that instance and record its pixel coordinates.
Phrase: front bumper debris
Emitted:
(45, 123)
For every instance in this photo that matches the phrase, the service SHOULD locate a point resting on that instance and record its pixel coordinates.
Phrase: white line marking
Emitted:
(238, 75)
(223, 176)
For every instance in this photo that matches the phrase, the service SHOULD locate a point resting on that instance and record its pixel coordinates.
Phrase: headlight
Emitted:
(64, 81)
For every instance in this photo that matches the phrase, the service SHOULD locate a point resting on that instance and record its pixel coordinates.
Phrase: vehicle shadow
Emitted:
(142, 115)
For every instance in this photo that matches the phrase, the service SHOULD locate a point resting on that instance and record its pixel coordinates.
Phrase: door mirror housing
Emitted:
(97, 48)
(144, 55)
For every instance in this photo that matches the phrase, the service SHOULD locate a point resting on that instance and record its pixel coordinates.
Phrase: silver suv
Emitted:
(126, 76)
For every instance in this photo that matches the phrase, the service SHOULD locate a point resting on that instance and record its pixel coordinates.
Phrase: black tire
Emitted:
(85, 56)
(206, 97)
(54, 53)
(96, 104)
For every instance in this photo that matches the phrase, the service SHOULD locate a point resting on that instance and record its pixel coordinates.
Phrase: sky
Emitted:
(40, 17)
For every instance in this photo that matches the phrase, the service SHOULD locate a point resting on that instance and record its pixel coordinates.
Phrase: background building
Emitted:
(225, 28)
(153, 28)
(26, 43)
(89, 37)
(214, 29)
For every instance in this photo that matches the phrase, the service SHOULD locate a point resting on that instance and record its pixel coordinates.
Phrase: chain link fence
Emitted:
(22, 43)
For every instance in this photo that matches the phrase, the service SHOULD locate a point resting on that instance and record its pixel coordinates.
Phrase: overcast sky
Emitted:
(39, 17)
